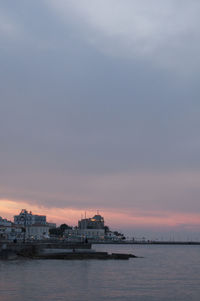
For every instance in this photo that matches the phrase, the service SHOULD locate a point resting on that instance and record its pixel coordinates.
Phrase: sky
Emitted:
(100, 110)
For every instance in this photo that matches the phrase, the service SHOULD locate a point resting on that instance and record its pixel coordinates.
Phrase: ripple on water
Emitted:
(165, 273)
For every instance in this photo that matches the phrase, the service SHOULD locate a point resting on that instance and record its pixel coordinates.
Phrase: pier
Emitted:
(56, 250)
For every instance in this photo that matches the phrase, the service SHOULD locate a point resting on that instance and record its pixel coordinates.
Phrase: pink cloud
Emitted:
(114, 218)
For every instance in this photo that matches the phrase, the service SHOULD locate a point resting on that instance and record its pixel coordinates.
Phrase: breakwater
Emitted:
(8, 250)
(58, 250)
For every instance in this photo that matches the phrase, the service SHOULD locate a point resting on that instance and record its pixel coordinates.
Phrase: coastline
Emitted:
(146, 243)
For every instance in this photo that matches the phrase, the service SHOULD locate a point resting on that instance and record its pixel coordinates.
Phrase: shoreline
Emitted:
(147, 243)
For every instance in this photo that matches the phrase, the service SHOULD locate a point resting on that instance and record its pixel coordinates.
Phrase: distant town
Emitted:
(29, 227)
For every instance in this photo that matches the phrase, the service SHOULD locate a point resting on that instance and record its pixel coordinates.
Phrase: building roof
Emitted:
(98, 217)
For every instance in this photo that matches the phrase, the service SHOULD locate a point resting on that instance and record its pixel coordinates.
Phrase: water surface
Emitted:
(165, 273)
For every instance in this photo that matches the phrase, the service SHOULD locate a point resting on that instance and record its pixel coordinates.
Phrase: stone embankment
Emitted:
(55, 250)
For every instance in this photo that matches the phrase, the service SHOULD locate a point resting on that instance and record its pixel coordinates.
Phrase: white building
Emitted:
(11, 233)
(90, 228)
(35, 226)
(96, 222)
(26, 218)
(37, 231)
(81, 234)
(51, 225)
(5, 222)
(95, 234)
(110, 235)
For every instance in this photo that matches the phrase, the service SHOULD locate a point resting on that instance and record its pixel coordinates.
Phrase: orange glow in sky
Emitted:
(9, 208)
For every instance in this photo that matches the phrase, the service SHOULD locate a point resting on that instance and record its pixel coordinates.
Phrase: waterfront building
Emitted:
(37, 231)
(34, 226)
(26, 218)
(93, 234)
(90, 228)
(5, 222)
(114, 236)
(73, 234)
(96, 222)
(51, 225)
(4, 232)
(11, 233)
(81, 234)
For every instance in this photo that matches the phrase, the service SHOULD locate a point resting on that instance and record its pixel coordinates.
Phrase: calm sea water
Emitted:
(165, 273)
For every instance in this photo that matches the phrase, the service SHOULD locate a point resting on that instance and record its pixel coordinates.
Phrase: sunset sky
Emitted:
(100, 110)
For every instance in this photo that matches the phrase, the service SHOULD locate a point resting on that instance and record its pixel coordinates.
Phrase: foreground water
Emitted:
(165, 273)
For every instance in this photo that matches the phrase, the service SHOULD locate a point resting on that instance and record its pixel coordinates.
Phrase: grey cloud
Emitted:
(81, 120)
(164, 32)
(153, 193)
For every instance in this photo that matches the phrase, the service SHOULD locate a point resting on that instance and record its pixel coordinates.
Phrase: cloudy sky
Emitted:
(99, 109)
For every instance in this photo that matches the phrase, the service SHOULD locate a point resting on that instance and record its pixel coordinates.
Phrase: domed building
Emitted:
(92, 228)
(96, 222)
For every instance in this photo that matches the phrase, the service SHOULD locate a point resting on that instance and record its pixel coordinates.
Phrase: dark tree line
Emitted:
(59, 231)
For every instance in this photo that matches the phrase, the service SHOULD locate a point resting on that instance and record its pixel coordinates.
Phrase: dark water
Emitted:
(166, 273)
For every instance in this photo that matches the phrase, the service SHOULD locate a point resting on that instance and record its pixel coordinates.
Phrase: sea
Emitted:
(164, 272)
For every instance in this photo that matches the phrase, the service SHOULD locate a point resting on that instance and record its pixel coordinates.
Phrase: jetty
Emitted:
(56, 250)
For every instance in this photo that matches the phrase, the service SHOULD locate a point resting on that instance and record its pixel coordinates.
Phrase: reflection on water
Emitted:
(165, 273)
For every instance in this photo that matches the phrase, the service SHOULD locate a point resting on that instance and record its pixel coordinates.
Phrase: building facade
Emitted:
(37, 232)
(34, 226)
(96, 222)
(26, 218)
(11, 233)
(5, 222)
(90, 228)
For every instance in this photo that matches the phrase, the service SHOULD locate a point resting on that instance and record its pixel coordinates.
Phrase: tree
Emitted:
(106, 228)
(64, 227)
(59, 231)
